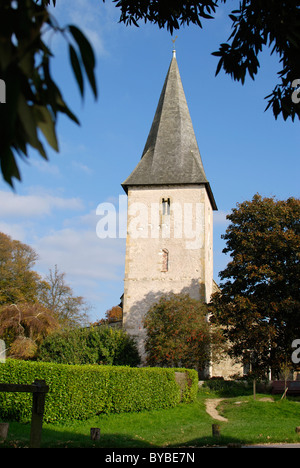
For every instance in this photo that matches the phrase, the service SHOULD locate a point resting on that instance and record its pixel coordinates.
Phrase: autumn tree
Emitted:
(18, 282)
(24, 322)
(114, 314)
(32, 307)
(23, 327)
(70, 310)
(259, 300)
(178, 333)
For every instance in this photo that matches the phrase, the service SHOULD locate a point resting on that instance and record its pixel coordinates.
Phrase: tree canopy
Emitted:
(18, 282)
(256, 24)
(34, 101)
(112, 315)
(259, 299)
(70, 310)
(178, 333)
(32, 307)
(24, 326)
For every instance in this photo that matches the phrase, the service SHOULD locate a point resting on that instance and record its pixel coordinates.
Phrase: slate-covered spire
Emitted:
(171, 155)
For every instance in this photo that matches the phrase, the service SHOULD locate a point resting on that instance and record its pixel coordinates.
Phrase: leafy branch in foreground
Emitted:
(171, 15)
(256, 25)
(33, 100)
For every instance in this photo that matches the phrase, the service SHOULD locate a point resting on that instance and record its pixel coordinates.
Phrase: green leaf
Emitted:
(9, 167)
(219, 66)
(46, 125)
(27, 120)
(87, 55)
(62, 107)
(76, 68)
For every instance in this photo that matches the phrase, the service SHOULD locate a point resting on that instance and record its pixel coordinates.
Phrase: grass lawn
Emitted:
(188, 425)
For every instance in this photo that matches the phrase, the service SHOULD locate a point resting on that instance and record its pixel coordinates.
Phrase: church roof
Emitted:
(171, 155)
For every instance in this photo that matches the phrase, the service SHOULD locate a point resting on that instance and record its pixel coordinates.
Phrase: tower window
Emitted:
(165, 260)
(166, 206)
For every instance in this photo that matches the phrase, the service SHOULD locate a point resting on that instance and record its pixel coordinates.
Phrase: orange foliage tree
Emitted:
(259, 300)
(178, 333)
(24, 326)
(115, 314)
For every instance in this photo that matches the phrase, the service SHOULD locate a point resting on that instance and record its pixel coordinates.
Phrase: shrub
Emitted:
(100, 345)
(228, 388)
(178, 333)
(79, 392)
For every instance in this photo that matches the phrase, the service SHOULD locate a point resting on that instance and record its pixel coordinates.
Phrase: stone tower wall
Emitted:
(168, 249)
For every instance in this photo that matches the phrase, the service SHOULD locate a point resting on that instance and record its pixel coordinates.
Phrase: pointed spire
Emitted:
(171, 155)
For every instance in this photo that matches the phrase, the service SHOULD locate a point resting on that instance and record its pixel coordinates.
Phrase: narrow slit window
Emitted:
(165, 260)
(165, 206)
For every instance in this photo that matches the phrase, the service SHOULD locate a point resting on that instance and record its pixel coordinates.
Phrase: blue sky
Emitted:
(244, 150)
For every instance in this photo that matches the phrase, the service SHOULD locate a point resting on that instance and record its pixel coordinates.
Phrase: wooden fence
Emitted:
(38, 390)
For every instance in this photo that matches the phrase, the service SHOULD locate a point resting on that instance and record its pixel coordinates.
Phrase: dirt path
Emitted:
(211, 408)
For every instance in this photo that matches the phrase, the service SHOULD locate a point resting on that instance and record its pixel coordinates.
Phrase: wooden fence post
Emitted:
(216, 430)
(38, 404)
(3, 430)
(95, 433)
(39, 390)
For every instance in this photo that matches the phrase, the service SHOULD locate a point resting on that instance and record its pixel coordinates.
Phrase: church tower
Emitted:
(169, 246)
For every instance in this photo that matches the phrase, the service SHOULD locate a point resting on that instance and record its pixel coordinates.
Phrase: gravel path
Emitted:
(211, 408)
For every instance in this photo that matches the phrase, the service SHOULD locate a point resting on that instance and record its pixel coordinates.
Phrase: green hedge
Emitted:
(79, 392)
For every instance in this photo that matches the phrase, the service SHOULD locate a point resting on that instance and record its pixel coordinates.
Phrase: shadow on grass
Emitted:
(68, 439)
(211, 442)
(19, 437)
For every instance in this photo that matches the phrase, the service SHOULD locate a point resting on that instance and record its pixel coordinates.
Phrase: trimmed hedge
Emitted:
(78, 392)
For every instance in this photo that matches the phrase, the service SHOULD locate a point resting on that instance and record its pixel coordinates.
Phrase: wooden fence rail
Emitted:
(38, 390)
